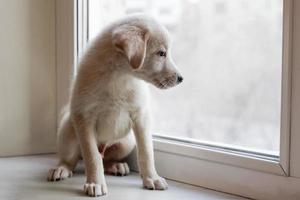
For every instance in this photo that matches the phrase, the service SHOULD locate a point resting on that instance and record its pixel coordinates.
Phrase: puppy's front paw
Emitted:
(156, 183)
(95, 190)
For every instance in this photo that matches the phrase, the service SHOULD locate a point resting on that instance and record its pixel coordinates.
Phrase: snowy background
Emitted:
(229, 52)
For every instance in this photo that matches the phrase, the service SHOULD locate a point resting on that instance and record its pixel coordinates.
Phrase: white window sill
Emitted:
(25, 178)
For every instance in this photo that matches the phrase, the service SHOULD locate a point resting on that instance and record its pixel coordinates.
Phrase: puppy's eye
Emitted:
(162, 53)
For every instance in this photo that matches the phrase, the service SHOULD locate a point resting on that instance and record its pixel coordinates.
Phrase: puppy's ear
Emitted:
(132, 41)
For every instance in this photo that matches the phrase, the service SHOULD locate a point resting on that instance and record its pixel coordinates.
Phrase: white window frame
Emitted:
(257, 176)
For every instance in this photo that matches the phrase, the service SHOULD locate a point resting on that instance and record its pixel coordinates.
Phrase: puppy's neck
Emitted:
(122, 80)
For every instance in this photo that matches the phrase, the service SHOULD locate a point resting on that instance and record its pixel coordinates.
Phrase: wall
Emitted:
(27, 77)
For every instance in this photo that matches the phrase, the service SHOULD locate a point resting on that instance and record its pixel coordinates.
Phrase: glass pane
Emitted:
(230, 54)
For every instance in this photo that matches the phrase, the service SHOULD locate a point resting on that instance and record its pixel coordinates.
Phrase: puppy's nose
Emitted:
(179, 79)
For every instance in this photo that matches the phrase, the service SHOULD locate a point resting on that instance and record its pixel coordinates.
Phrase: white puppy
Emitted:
(109, 99)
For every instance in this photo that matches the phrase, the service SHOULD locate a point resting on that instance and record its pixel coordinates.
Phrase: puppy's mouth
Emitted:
(165, 83)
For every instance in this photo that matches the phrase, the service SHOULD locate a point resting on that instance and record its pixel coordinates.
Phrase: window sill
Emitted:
(30, 183)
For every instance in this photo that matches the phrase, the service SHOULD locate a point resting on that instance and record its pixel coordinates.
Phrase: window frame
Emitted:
(205, 162)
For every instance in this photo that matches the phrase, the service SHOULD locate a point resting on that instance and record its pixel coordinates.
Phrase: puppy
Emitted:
(108, 110)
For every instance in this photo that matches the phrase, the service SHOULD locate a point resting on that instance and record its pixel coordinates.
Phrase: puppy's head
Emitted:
(146, 46)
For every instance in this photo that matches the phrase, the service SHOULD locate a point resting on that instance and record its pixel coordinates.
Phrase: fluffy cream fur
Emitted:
(109, 109)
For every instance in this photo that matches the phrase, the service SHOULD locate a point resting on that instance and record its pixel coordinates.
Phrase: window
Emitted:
(230, 55)
(248, 138)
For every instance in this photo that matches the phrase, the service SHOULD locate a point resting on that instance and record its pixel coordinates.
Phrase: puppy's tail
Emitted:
(63, 116)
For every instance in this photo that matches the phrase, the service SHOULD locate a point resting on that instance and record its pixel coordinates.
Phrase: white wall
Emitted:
(27, 76)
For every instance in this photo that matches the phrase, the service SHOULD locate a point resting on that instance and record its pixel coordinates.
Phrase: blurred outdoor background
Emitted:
(230, 54)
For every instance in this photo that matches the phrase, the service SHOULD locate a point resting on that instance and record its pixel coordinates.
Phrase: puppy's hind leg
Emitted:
(114, 155)
(68, 151)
